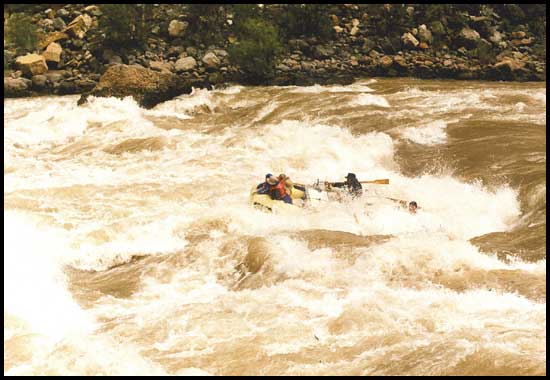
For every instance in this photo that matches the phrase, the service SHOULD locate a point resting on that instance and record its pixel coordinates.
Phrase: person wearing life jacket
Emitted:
(352, 185)
(288, 183)
(277, 190)
(263, 188)
(411, 206)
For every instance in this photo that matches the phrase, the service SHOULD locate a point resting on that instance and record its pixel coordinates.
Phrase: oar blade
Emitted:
(384, 181)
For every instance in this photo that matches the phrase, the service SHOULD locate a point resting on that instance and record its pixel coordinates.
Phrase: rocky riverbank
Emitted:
(72, 58)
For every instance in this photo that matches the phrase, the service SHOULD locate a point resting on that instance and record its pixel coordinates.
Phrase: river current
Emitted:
(131, 248)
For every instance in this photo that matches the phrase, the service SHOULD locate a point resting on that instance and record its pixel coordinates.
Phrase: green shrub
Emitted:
(21, 32)
(308, 20)
(206, 23)
(257, 49)
(241, 13)
(125, 24)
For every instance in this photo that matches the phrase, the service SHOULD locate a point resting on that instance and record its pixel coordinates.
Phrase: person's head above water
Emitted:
(271, 179)
(413, 206)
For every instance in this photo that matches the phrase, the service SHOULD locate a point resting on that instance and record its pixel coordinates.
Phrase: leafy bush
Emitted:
(241, 13)
(206, 23)
(125, 24)
(21, 32)
(305, 20)
(257, 49)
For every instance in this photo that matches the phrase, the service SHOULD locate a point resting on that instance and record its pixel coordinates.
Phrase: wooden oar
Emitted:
(384, 181)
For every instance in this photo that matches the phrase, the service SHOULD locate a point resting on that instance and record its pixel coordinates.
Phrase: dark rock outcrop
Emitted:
(146, 86)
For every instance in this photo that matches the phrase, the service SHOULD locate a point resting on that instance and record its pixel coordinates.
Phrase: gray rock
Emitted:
(54, 76)
(185, 64)
(93, 10)
(160, 66)
(211, 60)
(323, 51)
(115, 59)
(146, 86)
(63, 13)
(39, 82)
(307, 66)
(220, 53)
(191, 51)
(282, 67)
(468, 37)
(58, 23)
(437, 28)
(495, 36)
(66, 87)
(53, 53)
(424, 34)
(15, 87)
(175, 51)
(177, 28)
(368, 45)
(31, 64)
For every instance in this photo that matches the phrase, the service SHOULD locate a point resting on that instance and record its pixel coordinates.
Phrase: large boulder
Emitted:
(468, 37)
(146, 86)
(185, 64)
(79, 26)
(31, 64)
(16, 87)
(52, 37)
(509, 68)
(53, 53)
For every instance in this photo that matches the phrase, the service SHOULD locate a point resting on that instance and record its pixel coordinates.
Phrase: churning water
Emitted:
(130, 246)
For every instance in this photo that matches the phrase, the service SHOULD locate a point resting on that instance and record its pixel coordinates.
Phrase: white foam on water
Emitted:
(188, 306)
(34, 285)
(430, 134)
(369, 100)
(317, 88)
(184, 105)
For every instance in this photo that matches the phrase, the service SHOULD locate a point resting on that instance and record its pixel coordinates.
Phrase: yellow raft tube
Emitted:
(264, 201)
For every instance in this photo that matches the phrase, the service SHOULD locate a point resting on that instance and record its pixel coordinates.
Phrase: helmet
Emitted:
(268, 175)
(272, 180)
(351, 175)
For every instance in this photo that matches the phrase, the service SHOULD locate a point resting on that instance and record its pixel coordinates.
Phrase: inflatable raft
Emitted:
(301, 197)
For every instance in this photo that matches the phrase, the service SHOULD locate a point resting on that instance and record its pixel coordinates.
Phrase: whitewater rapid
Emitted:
(131, 247)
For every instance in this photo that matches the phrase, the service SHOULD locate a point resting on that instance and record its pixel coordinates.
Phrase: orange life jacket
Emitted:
(277, 191)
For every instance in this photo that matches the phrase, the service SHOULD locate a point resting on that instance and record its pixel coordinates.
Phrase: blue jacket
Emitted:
(262, 188)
